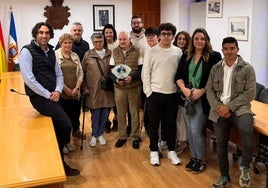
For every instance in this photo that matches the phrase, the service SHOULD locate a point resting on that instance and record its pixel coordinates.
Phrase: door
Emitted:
(149, 10)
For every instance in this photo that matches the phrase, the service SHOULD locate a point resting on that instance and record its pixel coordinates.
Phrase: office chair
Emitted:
(259, 88)
(263, 97)
(262, 146)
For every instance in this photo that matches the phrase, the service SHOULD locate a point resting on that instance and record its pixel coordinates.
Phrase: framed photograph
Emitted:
(214, 8)
(238, 28)
(102, 15)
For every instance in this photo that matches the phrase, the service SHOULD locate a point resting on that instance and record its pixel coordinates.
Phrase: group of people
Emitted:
(180, 81)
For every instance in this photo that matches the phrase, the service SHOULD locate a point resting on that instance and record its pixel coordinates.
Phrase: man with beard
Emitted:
(138, 39)
(137, 34)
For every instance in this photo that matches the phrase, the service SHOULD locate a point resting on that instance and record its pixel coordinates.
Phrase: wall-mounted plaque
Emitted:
(57, 15)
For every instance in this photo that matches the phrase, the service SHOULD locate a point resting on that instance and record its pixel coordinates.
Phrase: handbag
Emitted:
(106, 83)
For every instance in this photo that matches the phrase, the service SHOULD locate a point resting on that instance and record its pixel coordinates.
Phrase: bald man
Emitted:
(127, 91)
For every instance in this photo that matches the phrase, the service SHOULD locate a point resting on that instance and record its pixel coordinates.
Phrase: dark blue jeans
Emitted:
(244, 124)
(98, 119)
(61, 122)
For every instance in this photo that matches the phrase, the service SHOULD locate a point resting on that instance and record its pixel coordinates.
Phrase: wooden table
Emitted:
(29, 150)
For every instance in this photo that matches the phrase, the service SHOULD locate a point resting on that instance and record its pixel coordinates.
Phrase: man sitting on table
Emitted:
(230, 89)
(44, 82)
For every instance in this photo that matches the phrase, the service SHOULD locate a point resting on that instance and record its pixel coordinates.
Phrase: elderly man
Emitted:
(127, 91)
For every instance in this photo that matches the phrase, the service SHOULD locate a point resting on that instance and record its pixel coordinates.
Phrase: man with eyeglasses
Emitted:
(138, 39)
(158, 73)
(137, 33)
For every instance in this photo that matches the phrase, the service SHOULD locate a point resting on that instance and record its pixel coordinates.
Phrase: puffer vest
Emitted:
(130, 59)
(43, 67)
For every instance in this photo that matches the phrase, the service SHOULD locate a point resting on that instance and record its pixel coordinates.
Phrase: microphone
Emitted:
(13, 90)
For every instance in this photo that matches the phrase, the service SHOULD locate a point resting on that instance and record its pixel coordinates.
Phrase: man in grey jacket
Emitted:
(230, 89)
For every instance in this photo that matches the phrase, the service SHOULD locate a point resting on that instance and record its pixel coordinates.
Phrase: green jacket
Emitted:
(243, 88)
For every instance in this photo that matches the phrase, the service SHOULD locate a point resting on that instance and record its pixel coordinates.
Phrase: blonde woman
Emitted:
(73, 77)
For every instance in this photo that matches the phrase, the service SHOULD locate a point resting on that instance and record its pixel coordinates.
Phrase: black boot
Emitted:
(69, 171)
(108, 126)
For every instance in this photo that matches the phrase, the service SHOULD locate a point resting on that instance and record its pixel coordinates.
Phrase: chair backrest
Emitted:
(259, 88)
(263, 97)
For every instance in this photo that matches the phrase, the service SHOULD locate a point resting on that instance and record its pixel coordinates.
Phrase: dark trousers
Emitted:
(244, 124)
(73, 108)
(162, 107)
(61, 122)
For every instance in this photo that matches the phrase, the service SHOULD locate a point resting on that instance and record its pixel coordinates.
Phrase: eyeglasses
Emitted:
(97, 42)
(164, 34)
(136, 23)
(150, 35)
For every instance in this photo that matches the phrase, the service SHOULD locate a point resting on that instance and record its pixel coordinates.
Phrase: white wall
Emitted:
(197, 16)
(176, 12)
(259, 40)
(29, 12)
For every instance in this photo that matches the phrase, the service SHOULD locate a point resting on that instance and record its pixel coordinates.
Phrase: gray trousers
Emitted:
(244, 124)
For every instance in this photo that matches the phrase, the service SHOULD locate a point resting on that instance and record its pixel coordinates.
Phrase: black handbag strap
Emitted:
(197, 66)
(98, 63)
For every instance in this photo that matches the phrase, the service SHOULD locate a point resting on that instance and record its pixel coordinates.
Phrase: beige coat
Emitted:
(98, 98)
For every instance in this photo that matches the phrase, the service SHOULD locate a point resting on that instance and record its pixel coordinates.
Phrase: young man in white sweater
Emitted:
(158, 72)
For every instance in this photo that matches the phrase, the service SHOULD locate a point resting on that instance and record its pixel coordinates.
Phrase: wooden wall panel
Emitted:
(149, 10)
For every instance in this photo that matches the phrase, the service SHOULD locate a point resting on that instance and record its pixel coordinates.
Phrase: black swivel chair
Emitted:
(262, 146)
(259, 88)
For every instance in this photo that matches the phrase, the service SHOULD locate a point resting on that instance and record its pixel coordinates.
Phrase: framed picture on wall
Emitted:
(214, 8)
(102, 15)
(238, 28)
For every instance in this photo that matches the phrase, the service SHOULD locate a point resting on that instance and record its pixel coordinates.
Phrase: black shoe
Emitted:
(108, 126)
(136, 144)
(191, 164)
(70, 171)
(120, 143)
(115, 125)
(128, 129)
(199, 167)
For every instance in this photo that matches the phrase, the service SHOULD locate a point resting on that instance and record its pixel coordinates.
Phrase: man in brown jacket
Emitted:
(127, 91)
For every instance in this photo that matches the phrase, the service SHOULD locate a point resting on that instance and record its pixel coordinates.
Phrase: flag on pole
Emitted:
(3, 61)
(12, 47)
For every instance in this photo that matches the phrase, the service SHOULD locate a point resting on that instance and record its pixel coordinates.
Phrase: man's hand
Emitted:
(223, 111)
(54, 96)
(128, 79)
(120, 82)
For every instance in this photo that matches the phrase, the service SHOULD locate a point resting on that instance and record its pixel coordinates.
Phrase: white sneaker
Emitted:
(93, 141)
(172, 155)
(70, 147)
(154, 158)
(65, 150)
(101, 140)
